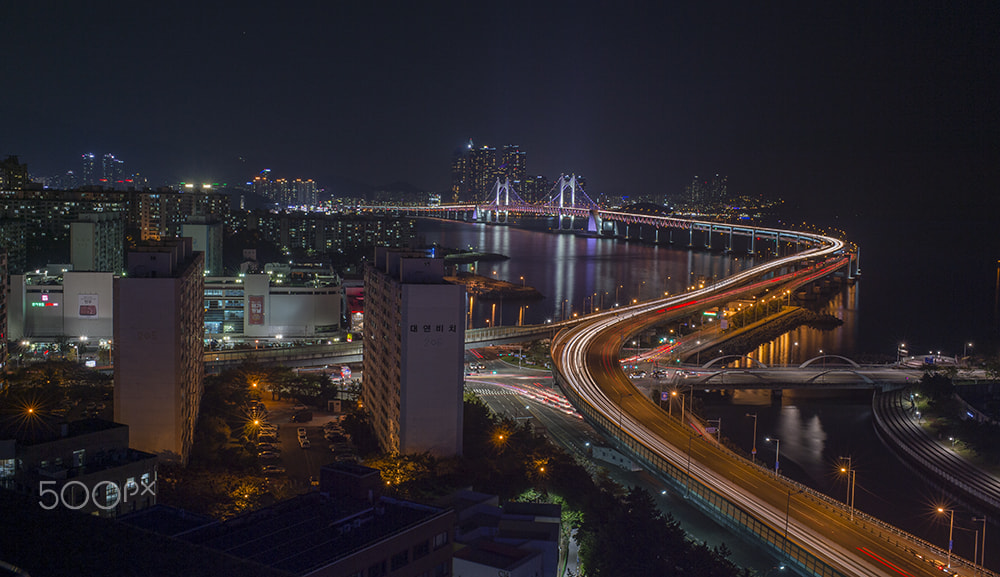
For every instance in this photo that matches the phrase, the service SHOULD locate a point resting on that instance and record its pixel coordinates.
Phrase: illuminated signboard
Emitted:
(256, 310)
(44, 302)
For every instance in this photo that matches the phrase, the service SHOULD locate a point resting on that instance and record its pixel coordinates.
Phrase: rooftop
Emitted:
(310, 531)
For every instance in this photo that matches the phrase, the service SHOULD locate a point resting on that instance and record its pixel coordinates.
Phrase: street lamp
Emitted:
(965, 349)
(616, 293)
(951, 531)
(982, 558)
(852, 476)
(753, 451)
(788, 506)
(777, 451)
(621, 397)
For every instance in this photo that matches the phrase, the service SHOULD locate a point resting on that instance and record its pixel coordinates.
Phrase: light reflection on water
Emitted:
(815, 428)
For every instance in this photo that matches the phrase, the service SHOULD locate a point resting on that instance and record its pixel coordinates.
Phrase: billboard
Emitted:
(256, 306)
(88, 306)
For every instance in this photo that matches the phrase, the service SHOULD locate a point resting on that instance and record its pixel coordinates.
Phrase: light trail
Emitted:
(586, 359)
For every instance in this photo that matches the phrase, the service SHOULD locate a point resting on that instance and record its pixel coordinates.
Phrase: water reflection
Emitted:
(575, 274)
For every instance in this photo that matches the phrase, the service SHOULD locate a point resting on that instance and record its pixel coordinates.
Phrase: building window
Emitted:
(398, 560)
(440, 540)
(79, 457)
(111, 496)
(377, 570)
(6, 468)
(442, 570)
(421, 549)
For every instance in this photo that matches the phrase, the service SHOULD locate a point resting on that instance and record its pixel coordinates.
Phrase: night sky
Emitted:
(880, 118)
(807, 104)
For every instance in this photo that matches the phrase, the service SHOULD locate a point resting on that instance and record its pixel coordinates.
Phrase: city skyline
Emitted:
(822, 107)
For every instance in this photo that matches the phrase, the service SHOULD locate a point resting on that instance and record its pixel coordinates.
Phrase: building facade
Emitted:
(414, 342)
(97, 242)
(85, 465)
(159, 347)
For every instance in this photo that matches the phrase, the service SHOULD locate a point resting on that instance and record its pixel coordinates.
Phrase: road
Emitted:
(586, 359)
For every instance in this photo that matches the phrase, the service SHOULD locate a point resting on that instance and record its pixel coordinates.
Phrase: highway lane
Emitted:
(587, 359)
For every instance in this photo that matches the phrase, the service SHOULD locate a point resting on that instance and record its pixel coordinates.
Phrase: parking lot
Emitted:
(302, 464)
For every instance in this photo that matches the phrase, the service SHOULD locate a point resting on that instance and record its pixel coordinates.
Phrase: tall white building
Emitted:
(158, 347)
(414, 342)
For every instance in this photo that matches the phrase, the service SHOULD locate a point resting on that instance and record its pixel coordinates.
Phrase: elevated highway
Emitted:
(806, 529)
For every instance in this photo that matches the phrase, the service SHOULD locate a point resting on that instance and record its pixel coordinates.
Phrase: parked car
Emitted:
(269, 447)
(302, 432)
(273, 470)
(299, 407)
(269, 455)
(304, 443)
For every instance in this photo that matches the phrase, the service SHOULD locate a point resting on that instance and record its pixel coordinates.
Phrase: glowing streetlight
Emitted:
(951, 531)
(852, 476)
(777, 451)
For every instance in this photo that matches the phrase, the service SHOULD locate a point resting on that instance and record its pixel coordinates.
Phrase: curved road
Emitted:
(586, 361)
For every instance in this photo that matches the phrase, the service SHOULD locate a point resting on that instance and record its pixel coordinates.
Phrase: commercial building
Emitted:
(284, 302)
(414, 342)
(85, 465)
(158, 347)
(78, 307)
(67, 305)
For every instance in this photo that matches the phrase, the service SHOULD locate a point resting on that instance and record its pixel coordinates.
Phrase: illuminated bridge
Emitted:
(568, 202)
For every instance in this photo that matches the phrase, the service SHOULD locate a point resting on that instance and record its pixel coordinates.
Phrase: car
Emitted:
(314, 481)
(299, 407)
(335, 437)
(302, 432)
(269, 455)
(268, 447)
(273, 470)
(267, 438)
(304, 443)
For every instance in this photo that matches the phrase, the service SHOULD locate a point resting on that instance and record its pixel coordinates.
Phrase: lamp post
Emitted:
(965, 349)
(621, 397)
(788, 507)
(777, 451)
(951, 531)
(616, 293)
(982, 553)
(852, 476)
(753, 451)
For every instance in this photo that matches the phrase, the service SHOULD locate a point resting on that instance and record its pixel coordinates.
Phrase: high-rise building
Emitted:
(13, 174)
(97, 242)
(512, 165)
(3, 319)
(534, 188)
(158, 347)
(114, 173)
(706, 191)
(474, 171)
(414, 340)
(88, 174)
(206, 235)
(305, 192)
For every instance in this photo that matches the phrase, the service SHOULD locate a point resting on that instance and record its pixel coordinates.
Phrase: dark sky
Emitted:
(826, 107)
